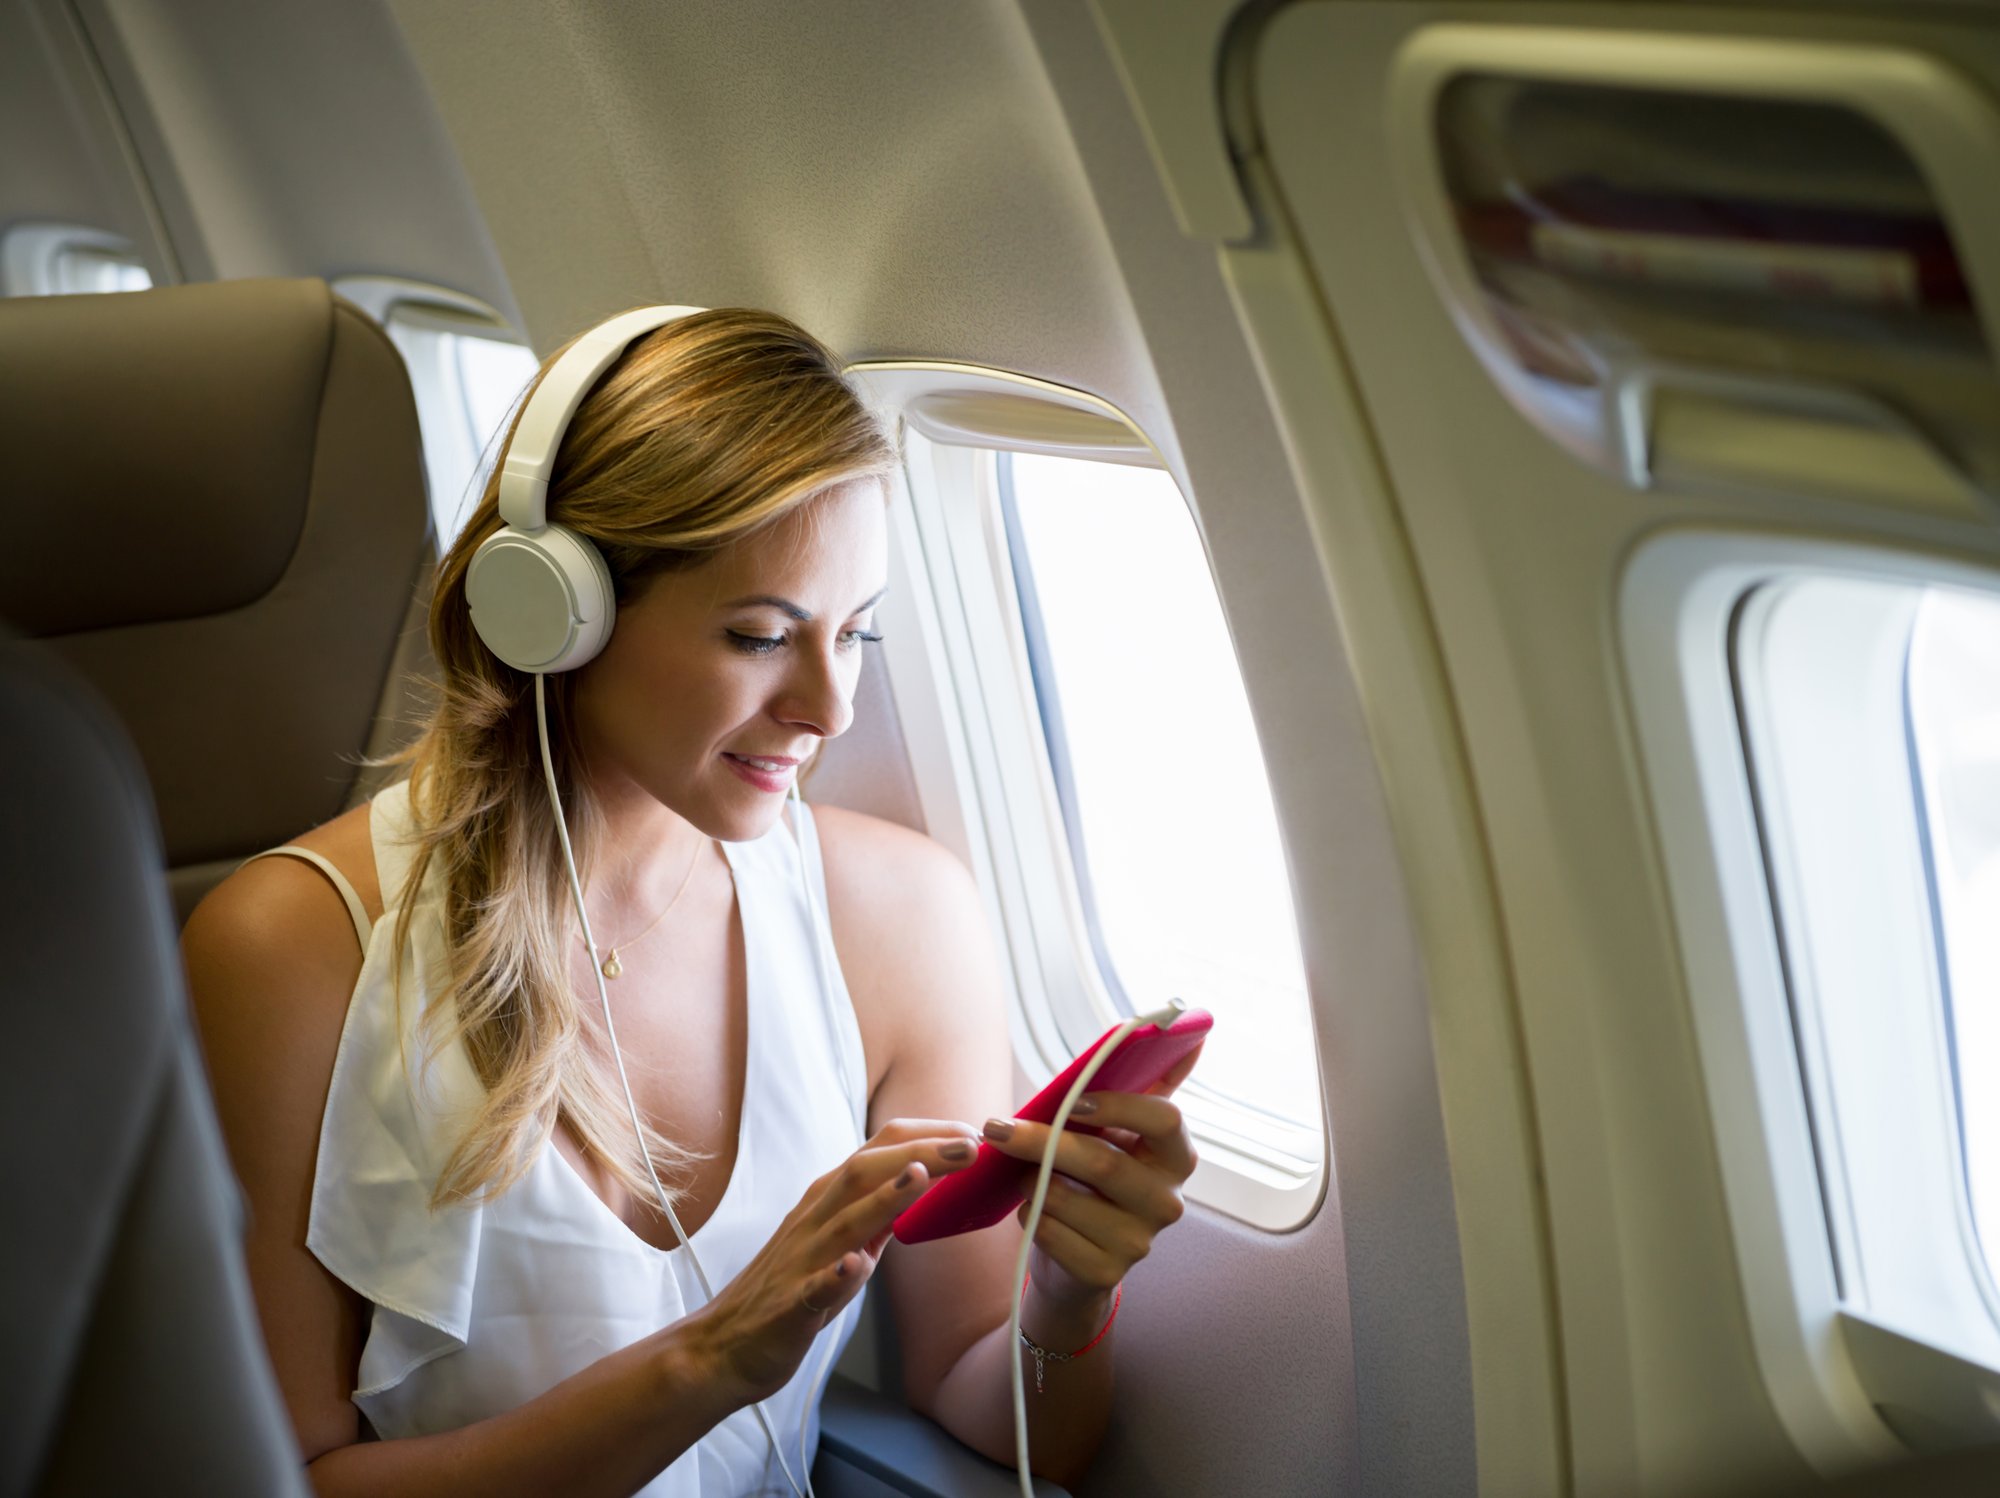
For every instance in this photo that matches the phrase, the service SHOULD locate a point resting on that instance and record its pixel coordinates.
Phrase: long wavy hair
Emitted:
(705, 431)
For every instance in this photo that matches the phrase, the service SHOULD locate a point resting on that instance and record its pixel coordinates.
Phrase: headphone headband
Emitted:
(540, 594)
(531, 455)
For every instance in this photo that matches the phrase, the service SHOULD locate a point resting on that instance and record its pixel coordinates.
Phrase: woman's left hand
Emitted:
(1111, 1194)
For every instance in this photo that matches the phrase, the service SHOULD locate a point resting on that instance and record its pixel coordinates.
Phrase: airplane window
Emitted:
(81, 270)
(1954, 714)
(68, 260)
(1871, 710)
(1080, 733)
(466, 377)
(1170, 823)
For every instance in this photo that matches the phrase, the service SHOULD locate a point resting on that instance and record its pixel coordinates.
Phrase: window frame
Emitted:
(956, 655)
(1685, 600)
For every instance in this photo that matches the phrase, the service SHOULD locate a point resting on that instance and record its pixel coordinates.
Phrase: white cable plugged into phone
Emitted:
(847, 1089)
(1161, 1018)
(638, 1130)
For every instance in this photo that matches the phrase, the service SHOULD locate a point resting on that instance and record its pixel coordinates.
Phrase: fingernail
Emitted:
(999, 1128)
(958, 1149)
(840, 1269)
(1084, 1105)
(909, 1174)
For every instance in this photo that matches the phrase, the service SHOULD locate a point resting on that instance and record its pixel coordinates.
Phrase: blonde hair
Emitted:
(707, 429)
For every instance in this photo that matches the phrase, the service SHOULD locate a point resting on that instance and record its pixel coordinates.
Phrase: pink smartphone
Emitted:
(995, 1184)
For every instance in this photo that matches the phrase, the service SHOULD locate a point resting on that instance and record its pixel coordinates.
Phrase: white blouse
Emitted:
(479, 1308)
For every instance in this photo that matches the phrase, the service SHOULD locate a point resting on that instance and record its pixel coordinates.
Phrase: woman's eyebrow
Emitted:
(802, 615)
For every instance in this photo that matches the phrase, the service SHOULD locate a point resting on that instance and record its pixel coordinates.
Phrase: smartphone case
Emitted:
(994, 1184)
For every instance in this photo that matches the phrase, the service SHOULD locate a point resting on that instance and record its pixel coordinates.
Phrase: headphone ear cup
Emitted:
(540, 601)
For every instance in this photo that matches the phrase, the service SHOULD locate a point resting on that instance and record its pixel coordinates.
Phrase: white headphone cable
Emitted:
(610, 1030)
(847, 1082)
(1161, 1017)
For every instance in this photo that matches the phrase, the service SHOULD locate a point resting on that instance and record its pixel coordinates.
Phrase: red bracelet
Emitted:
(1042, 1354)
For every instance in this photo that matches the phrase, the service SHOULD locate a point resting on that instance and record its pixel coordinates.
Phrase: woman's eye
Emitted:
(765, 644)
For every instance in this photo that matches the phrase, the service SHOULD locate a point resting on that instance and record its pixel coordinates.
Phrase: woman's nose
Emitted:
(820, 695)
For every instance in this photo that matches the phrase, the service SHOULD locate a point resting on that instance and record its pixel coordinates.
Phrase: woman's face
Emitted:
(753, 654)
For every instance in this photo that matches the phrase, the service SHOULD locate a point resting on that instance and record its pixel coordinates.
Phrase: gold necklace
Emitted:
(612, 967)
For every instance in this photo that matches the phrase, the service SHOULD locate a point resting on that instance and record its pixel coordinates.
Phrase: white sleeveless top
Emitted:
(477, 1309)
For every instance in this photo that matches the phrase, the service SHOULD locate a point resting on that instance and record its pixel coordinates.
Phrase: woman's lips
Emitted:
(764, 780)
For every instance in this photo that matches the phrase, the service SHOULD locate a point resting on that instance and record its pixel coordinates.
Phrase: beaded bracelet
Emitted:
(1042, 1354)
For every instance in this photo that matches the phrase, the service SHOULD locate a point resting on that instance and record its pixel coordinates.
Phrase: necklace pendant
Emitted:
(612, 966)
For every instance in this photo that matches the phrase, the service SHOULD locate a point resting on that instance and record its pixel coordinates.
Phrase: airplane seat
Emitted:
(220, 522)
(132, 1356)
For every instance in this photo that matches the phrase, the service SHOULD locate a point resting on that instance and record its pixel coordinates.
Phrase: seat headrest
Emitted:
(217, 517)
(165, 436)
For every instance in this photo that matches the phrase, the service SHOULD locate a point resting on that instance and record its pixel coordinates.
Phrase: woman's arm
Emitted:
(957, 1368)
(912, 936)
(603, 1433)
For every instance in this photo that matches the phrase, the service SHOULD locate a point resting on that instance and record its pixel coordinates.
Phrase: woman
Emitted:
(453, 1232)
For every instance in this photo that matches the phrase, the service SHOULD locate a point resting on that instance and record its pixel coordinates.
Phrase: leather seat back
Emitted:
(218, 518)
(131, 1354)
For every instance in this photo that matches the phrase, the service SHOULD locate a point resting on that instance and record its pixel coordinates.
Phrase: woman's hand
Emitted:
(756, 1331)
(1111, 1194)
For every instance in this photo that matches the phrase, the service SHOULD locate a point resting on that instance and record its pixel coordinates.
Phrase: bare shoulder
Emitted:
(864, 848)
(349, 845)
(911, 931)
(891, 889)
(857, 831)
(272, 961)
(279, 922)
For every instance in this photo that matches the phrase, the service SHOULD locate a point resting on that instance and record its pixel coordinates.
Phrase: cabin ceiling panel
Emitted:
(896, 176)
(292, 138)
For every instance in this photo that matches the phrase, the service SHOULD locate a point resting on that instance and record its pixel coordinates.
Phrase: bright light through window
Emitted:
(1169, 814)
(87, 270)
(38, 259)
(1954, 700)
(491, 375)
(465, 380)
(1872, 707)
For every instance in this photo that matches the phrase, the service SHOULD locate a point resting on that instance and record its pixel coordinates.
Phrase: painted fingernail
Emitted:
(909, 1174)
(1084, 1105)
(999, 1128)
(840, 1269)
(958, 1149)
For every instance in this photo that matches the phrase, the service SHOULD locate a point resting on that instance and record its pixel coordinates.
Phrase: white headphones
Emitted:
(540, 594)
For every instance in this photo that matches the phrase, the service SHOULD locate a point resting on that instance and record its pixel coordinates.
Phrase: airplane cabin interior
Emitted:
(1459, 538)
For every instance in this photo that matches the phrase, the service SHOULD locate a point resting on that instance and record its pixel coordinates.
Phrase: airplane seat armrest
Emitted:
(873, 1447)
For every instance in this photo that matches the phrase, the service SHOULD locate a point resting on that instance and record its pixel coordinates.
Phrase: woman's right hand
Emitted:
(757, 1329)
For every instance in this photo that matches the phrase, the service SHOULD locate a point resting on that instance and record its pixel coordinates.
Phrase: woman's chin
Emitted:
(739, 812)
